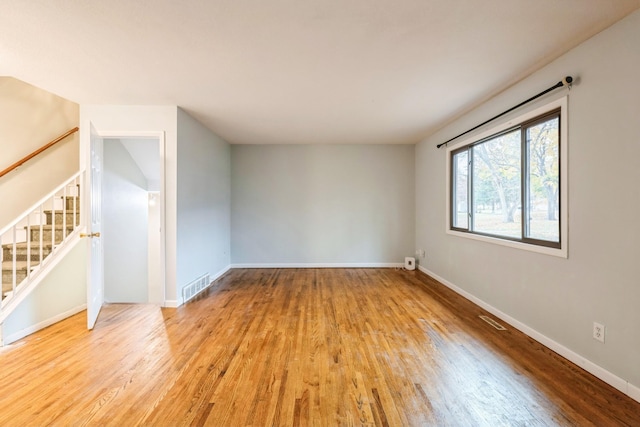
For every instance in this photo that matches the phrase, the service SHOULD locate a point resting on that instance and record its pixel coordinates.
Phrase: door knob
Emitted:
(90, 235)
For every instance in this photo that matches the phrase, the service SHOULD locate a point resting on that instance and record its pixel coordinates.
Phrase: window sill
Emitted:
(560, 253)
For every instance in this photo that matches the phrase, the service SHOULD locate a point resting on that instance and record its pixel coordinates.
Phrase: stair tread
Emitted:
(49, 226)
(67, 211)
(34, 243)
(20, 265)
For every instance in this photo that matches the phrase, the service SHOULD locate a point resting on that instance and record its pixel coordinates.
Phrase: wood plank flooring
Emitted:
(291, 347)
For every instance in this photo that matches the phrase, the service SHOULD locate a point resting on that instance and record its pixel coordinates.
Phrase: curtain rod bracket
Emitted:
(568, 82)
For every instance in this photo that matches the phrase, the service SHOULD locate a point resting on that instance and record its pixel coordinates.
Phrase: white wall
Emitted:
(32, 117)
(203, 208)
(561, 298)
(131, 121)
(125, 207)
(61, 294)
(322, 204)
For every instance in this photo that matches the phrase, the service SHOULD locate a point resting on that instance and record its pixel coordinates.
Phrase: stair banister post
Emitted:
(64, 213)
(28, 245)
(53, 222)
(41, 236)
(15, 262)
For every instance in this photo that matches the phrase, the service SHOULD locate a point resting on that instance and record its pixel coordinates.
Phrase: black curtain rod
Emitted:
(564, 82)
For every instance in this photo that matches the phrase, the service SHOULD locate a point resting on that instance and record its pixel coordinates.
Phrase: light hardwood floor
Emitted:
(300, 347)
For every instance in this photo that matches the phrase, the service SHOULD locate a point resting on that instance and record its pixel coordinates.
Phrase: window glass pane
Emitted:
(497, 186)
(543, 183)
(460, 204)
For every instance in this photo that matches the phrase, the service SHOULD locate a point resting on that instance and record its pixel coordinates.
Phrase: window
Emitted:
(505, 186)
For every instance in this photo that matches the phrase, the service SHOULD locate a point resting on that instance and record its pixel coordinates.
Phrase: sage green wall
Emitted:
(203, 202)
(322, 204)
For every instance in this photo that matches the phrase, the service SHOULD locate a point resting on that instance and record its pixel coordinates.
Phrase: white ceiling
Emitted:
(295, 71)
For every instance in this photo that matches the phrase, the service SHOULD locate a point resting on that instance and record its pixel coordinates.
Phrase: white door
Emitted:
(95, 286)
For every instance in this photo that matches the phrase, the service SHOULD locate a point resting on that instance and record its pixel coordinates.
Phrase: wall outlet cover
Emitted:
(598, 332)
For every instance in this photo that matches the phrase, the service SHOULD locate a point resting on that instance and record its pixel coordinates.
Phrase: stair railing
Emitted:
(48, 145)
(38, 229)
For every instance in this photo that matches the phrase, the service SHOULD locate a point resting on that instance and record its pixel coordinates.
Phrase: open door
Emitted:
(95, 282)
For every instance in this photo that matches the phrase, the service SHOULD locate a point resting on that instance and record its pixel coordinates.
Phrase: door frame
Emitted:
(161, 138)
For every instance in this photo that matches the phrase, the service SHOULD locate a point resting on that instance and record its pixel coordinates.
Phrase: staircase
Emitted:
(30, 242)
(40, 242)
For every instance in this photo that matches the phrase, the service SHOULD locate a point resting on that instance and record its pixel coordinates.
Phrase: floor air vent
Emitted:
(493, 323)
(195, 287)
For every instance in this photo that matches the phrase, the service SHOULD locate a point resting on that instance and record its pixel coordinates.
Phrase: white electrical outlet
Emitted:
(598, 331)
(420, 253)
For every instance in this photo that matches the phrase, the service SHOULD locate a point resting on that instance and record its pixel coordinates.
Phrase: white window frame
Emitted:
(563, 251)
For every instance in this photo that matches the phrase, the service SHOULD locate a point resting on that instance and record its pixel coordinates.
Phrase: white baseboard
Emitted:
(606, 376)
(322, 265)
(171, 303)
(220, 273)
(41, 325)
(634, 392)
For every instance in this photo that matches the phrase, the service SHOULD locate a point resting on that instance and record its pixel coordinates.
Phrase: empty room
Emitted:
(320, 213)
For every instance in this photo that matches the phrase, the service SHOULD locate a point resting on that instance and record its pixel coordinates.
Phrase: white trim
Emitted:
(159, 135)
(152, 134)
(606, 376)
(41, 325)
(634, 392)
(220, 273)
(322, 265)
(563, 252)
(41, 273)
(163, 214)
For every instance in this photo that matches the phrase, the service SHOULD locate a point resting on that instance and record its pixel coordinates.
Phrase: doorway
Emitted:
(132, 207)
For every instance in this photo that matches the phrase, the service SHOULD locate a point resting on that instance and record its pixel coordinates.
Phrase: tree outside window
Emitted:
(508, 185)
